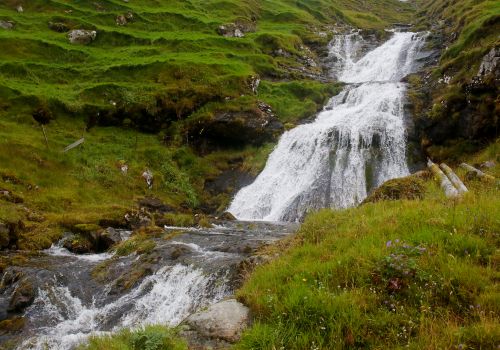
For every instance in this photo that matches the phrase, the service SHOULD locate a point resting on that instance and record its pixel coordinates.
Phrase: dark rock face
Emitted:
(236, 129)
(9, 234)
(59, 27)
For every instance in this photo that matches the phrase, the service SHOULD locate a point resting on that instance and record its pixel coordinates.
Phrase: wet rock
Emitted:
(23, 296)
(82, 36)
(225, 320)
(410, 187)
(59, 27)
(227, 216)
(7, 24)
(78, 244)
(12, 325)
(110, 237)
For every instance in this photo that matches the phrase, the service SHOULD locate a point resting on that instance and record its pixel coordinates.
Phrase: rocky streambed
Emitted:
(57, 299)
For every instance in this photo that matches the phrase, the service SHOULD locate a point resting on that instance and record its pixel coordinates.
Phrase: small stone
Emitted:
(488, 164)
(20, 9)
(121, 20)
(8, 25)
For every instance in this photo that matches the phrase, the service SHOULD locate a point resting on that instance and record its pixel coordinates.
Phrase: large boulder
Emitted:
(82, 36)
(225, 321)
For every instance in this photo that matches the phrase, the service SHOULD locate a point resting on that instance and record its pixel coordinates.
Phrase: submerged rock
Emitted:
(225, 321)
(82, 36)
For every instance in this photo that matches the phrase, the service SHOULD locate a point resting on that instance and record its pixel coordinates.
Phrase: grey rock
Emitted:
(225, 320)
(490, 63)
(82, 36)
(488, 164)
(7, 24)
(111, 237)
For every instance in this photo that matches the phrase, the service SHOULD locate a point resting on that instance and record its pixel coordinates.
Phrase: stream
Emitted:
(355, 144)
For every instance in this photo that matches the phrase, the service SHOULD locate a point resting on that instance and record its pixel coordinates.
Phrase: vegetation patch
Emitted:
(410, 187)
(148, 338)
(416, 274)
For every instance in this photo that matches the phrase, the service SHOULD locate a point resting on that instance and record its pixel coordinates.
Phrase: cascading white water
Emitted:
(166, 297)
(354, 145)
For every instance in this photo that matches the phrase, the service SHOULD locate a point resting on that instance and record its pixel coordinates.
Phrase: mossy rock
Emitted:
(23, 295)
(12, 325)
(411, 188)
(78, 244)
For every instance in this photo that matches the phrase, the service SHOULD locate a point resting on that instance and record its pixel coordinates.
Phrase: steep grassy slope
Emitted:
(463, 109)
(168, 57)
(416, 274)
(161, 72)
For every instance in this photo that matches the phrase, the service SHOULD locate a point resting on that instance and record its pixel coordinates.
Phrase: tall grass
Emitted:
(417, 274)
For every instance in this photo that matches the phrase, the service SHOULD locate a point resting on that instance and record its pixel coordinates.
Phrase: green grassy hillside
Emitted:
(163, 71)
(418, 274)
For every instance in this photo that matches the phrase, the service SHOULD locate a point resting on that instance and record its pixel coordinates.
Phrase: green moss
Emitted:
(148, 338)
(410, 188)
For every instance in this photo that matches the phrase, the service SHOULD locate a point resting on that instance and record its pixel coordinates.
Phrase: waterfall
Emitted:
(355, 144)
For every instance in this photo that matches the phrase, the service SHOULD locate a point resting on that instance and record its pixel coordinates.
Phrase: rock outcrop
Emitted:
(236, 30)
(238, 128)
(82, 36)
